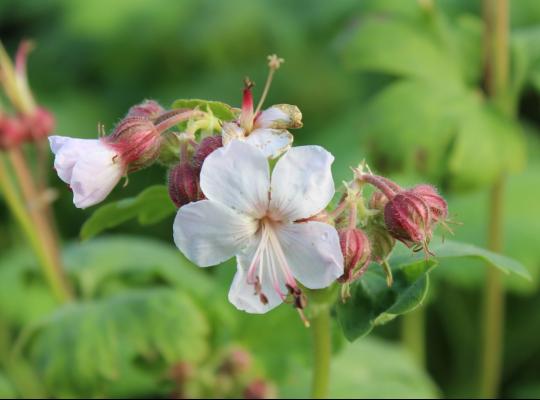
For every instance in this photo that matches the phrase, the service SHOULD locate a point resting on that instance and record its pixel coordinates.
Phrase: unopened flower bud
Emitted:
(378, 201)
(356, 251)
(12, 132)
(259, 389)
(408, 219)
(40, 123)
(206, 147)
(237, 362)
(137, 142)
(181, 372)
(183, 184)
(148, 109)
(437, 205)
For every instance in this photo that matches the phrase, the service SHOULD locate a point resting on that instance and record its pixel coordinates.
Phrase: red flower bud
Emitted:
(40, 124)
(437, 205)
(148, 109)
(12, 132)
(356, 253)
(137, 142)
(206, 147)
(408, 219)
(184, 184)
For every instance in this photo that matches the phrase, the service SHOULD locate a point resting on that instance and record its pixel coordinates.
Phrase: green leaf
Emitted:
(372, 302)
(150, 206)
(398, 47)
(119, 345)
(368, 369)
(6, 388)
(220, 110)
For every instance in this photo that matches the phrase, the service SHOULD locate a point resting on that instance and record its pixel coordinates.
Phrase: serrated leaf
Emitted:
(149, 207)
(102, 343)
(220, 110)
(372, 302)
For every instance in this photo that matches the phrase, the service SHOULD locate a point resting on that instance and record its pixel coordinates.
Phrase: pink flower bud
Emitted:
(378, 200)
(148, 109)
(437, 205)
(408, 219)
(40, 124)
(206, 147)
(137, 142)
(259, 389)
(356, 253)
(237, 362)
(12, 132)
(184, 184)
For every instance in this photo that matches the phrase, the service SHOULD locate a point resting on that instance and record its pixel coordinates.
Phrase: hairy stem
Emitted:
(322, 352)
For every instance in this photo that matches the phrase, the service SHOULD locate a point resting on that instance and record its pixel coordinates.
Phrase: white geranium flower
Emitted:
(262, 220)
(266, 130)
(90, 167)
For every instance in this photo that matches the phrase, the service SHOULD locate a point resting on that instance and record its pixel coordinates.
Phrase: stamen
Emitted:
(274, 62)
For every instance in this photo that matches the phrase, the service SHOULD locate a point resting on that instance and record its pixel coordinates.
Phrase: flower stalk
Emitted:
(322, 353)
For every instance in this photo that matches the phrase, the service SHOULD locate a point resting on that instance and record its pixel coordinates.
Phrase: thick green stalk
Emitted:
(496, 80)
(322, 353)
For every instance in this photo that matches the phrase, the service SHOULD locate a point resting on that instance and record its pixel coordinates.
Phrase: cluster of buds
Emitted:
(29, 122)
(232, 375)
(369, 233)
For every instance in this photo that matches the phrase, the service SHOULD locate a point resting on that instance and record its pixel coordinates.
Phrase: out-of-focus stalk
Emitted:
(496, 81)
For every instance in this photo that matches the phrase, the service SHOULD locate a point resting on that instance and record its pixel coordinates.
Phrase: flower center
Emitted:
(270, 264)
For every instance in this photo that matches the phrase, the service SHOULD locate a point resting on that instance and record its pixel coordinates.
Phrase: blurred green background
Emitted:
(399, 83)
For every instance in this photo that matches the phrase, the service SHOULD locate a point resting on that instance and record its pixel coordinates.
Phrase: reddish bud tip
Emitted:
(436, 203)
(356, 251)
(148, 109)
(12, 132)
(137, 141)
(206, 147)
(183, 184)
(40, 124)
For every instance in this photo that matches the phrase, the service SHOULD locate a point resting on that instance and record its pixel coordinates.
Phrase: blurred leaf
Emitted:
(97, 345)
(398, 47)
(220, 110)
(369, 369)
(150, 206)
(373, 302)
(6, 389)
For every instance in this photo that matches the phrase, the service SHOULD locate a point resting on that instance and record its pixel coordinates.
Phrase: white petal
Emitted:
(209, 233)
(95, 174)
(242, 294)
(68, 151)
(313, 252)
(280, 116)
(231, 131)
(302, 183)
(271, 142)
(237, 176)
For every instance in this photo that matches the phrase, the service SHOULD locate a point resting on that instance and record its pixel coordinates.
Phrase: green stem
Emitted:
(496, 17)
(414, 335)
(29, 228)
(322, 352)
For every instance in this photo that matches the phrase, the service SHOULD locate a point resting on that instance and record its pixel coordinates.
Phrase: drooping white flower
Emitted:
(91, 168)
(262, 220)
(266, 130)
